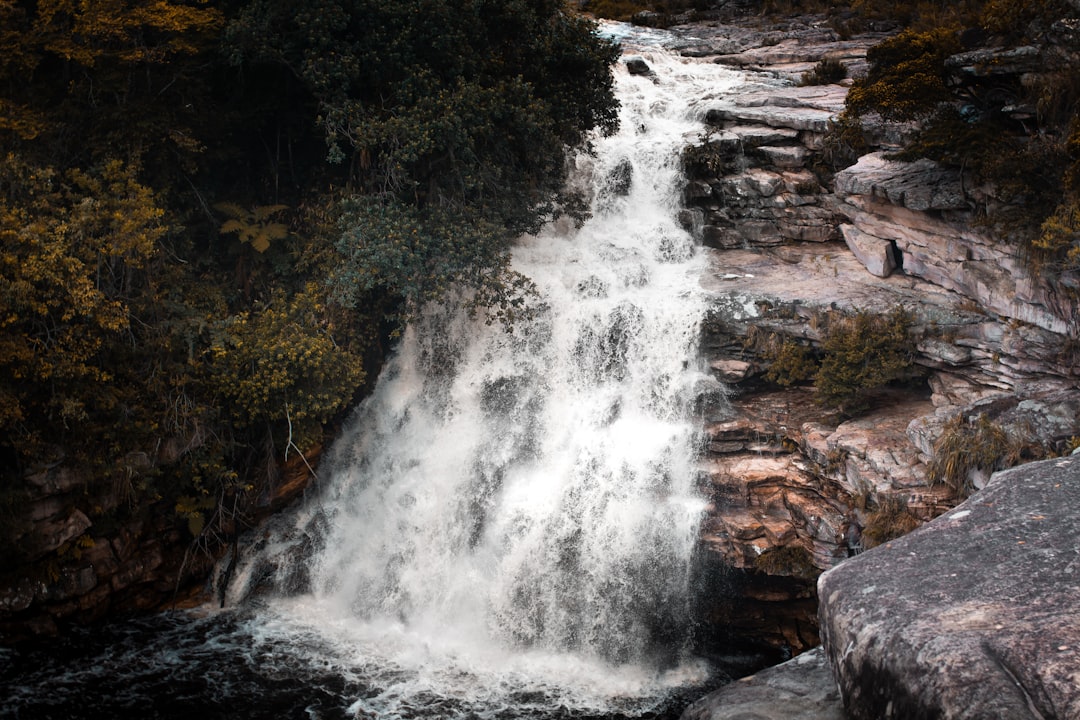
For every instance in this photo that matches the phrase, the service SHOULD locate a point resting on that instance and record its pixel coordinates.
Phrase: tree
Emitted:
(860, 354)
(445, 102)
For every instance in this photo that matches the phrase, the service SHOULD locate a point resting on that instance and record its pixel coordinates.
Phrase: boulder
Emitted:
(877, 256)
(972, 616)
(800, 689)
(637, 66)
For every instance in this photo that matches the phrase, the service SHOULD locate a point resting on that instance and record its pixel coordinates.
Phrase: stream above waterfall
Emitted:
(507, 528)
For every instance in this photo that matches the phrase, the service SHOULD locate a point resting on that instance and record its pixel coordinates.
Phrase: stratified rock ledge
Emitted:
(976, 615)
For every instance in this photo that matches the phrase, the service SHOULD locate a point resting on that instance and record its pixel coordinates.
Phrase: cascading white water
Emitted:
(513, 512)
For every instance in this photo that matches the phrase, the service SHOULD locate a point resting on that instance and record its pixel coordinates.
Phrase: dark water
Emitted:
(192, 667)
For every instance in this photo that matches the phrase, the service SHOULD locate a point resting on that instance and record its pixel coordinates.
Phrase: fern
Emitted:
(253, 226)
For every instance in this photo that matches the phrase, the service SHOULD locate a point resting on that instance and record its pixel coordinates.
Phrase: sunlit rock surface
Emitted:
(973, 615)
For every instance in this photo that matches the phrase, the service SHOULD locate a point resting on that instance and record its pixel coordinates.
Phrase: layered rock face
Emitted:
(796, 488)
(973, 615)
(54, 574)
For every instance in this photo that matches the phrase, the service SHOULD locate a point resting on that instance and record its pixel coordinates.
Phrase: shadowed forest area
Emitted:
(216, 215)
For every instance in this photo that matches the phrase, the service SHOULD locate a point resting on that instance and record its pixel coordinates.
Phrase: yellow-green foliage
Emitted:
(790, 363)
(280, 366)
(860, 354)
(1015, 19)
(793, 560)
(906, 76)
(890, 520)
(73, 246)
(255, 226)
(968, 445)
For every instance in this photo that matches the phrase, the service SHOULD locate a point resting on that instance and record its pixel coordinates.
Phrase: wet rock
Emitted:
(54, 525)
(621, 178)
(637, 66)
(800, 689)
(973, 615)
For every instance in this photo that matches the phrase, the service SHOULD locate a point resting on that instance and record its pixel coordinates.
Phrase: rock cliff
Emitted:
(797, 487)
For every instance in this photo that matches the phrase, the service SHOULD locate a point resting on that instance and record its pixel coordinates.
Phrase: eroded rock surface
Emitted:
(973, 615)
(794, 487)
(800, 689)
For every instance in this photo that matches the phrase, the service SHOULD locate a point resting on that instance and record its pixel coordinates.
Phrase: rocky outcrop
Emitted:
(796, 488)
(799, 689)
(922, 213)
(973, 615)
(77, 558)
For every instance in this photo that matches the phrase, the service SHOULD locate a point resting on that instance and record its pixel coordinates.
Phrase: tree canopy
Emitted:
(215, 213)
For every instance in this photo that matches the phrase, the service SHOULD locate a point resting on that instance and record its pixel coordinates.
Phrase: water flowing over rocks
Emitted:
(973, 615)
(791, 486)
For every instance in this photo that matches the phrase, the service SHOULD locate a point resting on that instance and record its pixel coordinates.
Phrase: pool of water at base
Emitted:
(198, 666)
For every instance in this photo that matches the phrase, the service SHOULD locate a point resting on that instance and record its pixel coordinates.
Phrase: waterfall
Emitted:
(512, 512)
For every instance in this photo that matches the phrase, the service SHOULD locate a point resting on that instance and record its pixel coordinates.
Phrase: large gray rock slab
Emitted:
(809, 108)
(800, 689)
(920, 185)
(976, 615)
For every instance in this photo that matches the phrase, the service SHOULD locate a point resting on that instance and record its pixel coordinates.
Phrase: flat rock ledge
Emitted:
(976, 615)
(800, 689)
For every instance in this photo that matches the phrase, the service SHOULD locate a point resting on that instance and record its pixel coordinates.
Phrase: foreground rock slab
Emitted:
(800, 689)
(975, 615)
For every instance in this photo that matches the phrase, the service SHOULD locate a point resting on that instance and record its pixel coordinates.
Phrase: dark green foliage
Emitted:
(827, 71)
(709, 158)
(469, 101)
(420, 253)
(862, 353)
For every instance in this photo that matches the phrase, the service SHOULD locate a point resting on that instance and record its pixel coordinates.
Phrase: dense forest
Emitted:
(216, 215)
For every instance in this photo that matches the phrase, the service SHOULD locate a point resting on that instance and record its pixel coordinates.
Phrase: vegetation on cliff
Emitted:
(995, 88)
(860, 354)
(214, 215)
